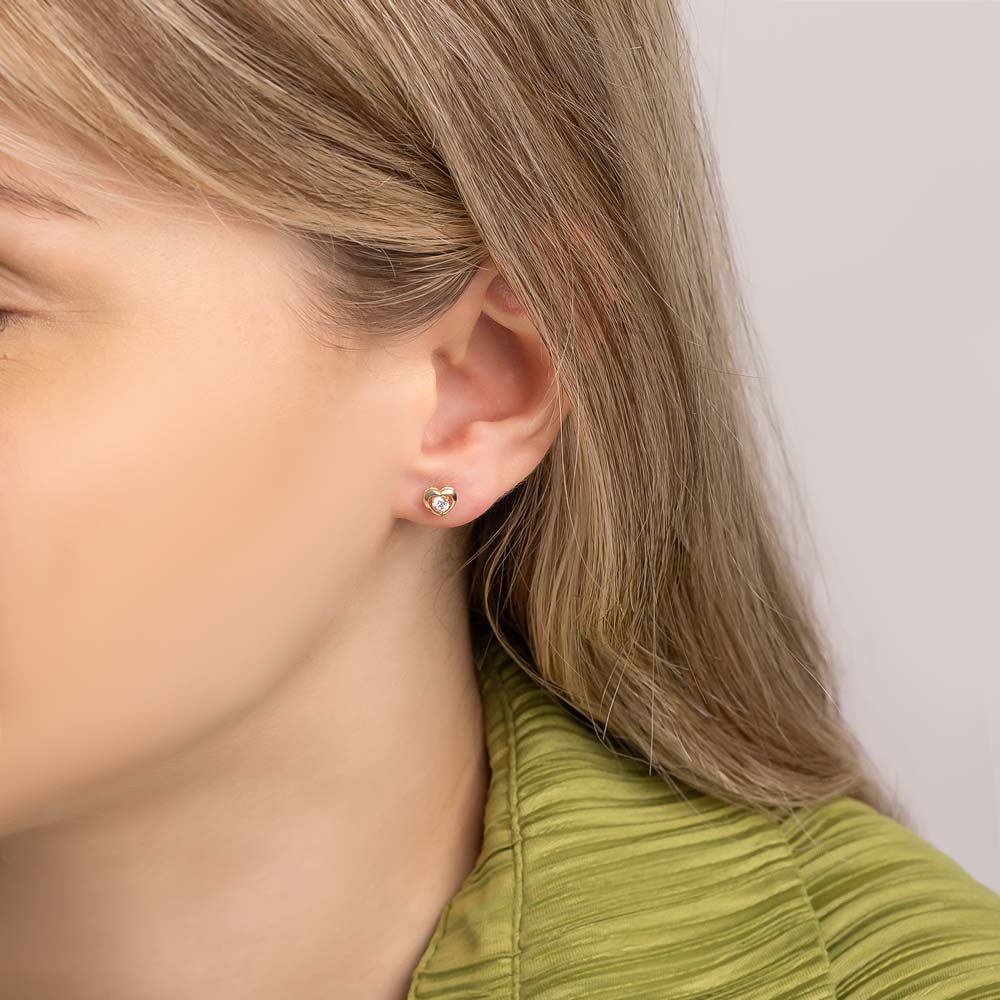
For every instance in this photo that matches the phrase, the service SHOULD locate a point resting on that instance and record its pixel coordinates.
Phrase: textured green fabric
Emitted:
(598, 880)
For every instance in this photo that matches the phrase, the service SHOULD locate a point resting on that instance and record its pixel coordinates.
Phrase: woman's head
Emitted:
(195, 487)
(341, 252)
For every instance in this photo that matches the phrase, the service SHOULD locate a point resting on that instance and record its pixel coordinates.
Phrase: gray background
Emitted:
(860, 152)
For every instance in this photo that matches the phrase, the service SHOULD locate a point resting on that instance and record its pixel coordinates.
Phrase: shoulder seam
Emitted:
(793, 858)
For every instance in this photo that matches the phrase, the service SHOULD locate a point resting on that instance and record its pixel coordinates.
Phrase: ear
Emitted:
(496, 409)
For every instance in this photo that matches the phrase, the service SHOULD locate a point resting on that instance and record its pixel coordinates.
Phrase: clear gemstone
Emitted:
(441, 504)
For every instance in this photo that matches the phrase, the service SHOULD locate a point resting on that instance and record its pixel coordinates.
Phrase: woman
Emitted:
(393, 604)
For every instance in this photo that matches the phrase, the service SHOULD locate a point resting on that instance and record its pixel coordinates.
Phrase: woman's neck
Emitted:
(305, 849)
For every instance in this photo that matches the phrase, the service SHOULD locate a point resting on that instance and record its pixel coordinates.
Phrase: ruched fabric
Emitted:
(598, 880)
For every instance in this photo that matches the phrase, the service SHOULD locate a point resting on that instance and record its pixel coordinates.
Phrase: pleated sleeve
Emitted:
(899, 919)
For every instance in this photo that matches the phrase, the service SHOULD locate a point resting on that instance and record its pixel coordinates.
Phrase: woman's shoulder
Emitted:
(710, 898)
(896, 916)
(597, 878)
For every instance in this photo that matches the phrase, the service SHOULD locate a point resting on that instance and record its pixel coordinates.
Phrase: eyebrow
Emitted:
(41, 201)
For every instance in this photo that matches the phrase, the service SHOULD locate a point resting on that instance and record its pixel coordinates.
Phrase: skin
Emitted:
(241, 742)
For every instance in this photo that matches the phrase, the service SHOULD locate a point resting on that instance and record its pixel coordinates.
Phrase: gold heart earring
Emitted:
(440, 501)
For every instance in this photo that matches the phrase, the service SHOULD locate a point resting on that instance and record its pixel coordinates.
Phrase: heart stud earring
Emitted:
(440, 501)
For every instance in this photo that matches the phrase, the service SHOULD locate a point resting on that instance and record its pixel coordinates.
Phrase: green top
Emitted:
(598, 880)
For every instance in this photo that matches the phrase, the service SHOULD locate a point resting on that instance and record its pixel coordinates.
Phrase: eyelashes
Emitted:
(9, 319)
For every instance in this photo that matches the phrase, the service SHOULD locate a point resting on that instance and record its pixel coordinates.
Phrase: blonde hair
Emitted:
(405, 142)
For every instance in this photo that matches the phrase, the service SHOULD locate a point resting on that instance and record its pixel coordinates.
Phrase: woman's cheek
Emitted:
(169, 540)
